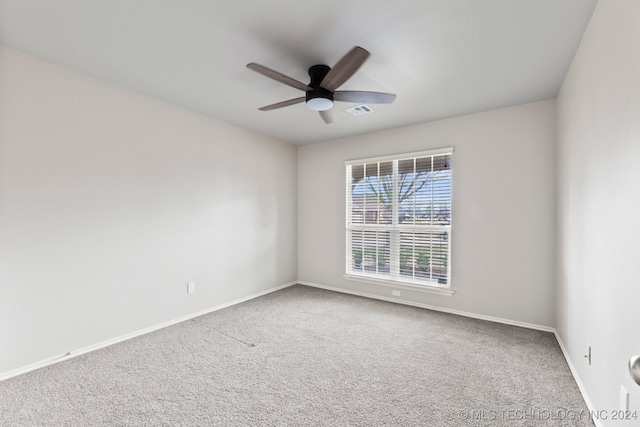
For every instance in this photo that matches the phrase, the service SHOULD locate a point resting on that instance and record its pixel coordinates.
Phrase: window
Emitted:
(399, 219)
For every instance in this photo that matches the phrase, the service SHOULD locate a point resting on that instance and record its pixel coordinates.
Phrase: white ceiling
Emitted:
(442, 58)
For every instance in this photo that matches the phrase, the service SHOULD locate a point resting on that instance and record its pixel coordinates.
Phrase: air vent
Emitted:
(360, 110)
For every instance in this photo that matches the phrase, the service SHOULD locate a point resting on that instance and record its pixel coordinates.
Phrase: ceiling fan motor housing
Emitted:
(318, 98)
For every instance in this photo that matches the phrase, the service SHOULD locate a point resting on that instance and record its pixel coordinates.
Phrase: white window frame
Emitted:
(394, 279)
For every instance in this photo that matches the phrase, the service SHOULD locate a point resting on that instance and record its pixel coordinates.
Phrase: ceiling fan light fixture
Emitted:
(319, 99)
(319, 104)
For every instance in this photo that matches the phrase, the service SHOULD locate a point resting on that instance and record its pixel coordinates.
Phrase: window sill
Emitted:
(400, 285)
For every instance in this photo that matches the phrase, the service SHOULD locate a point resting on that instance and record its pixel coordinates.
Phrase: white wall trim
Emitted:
(103, 344)
(439, 290)
(581, 387)
(125, 337)
(435, 308)
(402, 156)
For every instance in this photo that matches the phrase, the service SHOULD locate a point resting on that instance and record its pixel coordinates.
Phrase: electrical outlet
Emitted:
(624, 399)
(588, 355)
(395, 293)
(191, 287)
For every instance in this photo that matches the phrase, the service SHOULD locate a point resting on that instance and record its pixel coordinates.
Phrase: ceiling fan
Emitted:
(321, 91)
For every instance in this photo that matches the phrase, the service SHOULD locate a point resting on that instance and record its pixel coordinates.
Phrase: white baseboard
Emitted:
(103, 344)
(435, 308)
(574, 372)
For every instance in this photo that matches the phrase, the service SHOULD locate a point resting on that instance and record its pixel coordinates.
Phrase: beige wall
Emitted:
(598, 295)
(503, 210)
(111, 201)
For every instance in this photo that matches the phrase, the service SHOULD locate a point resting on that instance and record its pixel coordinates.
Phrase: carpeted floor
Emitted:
(303, 356)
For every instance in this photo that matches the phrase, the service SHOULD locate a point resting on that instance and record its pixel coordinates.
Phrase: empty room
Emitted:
(337, 213)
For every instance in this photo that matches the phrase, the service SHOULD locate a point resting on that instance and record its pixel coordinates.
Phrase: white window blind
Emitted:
(399, 218)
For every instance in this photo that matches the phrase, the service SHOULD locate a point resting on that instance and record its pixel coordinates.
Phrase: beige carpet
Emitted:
(304, 356)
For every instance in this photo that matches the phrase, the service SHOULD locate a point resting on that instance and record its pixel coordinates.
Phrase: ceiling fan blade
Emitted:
(272, 74)
(344, 68)
(364, 97)
(329, 116)
(283, 104)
